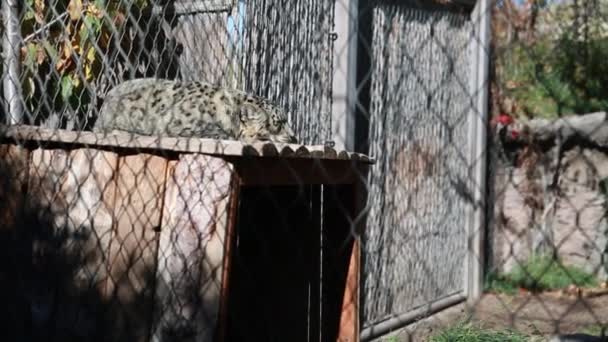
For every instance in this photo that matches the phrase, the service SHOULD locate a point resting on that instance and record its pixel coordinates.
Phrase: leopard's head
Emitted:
(263, 121)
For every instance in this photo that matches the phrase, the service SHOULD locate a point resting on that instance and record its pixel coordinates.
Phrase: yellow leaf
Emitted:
(88, 72)
(75, 81)
(75, 9)
(39, 5)
(40, 55)
(88, 65)
(94, 11)
(67, 49)
(91, 55)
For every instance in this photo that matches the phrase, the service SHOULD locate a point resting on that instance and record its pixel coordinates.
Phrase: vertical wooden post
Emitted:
(341, 262)
(70, 198)
(229, 243)
(132, 258)
(349, 319)
(14, 162)
(14, 246)
(191, 248)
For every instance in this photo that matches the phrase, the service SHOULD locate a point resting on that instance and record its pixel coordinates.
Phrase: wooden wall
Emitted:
(99, 245)
(134, 238)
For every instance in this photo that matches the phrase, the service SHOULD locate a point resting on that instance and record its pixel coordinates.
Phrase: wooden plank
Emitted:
(229, 245)
(140, 143)
(341, 253)
(45, 174)
(13, 179)
(354, 200)
(191, 249)
(13, 242)
(71, 195)
(132, 261)
(266, 172)
(349, 318)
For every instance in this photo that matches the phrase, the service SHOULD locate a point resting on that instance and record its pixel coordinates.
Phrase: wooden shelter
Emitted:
(142, 238)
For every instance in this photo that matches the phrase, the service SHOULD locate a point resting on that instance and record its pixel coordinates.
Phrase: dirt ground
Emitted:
(541, 315)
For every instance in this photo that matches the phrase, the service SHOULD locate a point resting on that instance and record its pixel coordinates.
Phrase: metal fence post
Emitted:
(480, 17)
(10, 47)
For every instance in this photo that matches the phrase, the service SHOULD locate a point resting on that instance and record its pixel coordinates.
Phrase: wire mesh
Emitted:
(413, 189)
(315, 170)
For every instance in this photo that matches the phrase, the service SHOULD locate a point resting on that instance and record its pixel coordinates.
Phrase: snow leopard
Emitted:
(161, 107)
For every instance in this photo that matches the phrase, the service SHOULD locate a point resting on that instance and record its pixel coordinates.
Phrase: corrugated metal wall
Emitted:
(288, 57)
(415, 248)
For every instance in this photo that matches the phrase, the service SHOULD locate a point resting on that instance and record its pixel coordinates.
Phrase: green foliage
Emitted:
(538, 274)
(549, 79)
(501, 284)
(595, 329)
(556, 74)
(467, 332)
(65, 42)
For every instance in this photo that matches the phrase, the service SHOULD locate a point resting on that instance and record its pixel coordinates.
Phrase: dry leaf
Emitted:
(39, 8)
(40, 55)
(88, 66)
(94, 11)
(75, 9)
(67, 49)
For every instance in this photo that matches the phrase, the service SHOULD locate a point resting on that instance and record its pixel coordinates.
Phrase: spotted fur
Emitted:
(150, 106)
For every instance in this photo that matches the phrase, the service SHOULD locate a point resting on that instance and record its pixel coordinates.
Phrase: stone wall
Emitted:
(549, 196)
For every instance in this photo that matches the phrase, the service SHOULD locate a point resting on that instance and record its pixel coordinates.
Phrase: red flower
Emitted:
(505, 119)
(514, 134)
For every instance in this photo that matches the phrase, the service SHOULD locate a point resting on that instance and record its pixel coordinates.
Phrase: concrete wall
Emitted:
(550, 200)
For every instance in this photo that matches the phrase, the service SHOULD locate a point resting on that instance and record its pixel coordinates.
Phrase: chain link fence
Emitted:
(321, 170)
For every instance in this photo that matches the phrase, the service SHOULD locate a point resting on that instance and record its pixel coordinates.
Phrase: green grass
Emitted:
(500, 283)
(539, 274)
(594, 329)
(467, 332)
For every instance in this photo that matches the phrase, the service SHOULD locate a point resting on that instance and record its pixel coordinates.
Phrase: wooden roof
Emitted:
(34, 134)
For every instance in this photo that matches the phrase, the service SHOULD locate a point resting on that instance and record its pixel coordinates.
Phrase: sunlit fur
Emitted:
(150, 106)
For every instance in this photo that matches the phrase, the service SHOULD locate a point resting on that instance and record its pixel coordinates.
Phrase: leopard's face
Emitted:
(278, 126)
(267, 122)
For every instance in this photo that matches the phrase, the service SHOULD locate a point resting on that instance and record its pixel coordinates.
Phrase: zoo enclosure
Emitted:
(304, 56)
(63, 56)
(160, 240)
